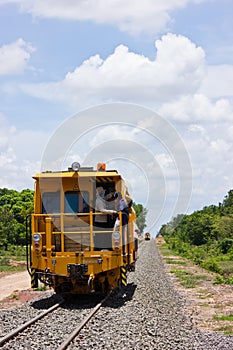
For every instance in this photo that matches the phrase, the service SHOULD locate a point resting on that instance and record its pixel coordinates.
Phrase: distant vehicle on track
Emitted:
(147, 236)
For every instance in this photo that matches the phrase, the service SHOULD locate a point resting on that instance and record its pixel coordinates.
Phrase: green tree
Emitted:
(228, 203)
(164, 230)
(14, 208)
(8, 232)
(205, 236)
(197, 228)
(141, 216)
(223, 227)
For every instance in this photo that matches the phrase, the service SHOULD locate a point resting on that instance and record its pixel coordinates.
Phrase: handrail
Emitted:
(28, 242)
(64, 229)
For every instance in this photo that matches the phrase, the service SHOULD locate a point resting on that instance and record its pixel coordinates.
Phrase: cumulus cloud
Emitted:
(18, 161)
(218, 81)
(209, 144)
(15, 56)
(178, 68)
(197, 129)
(197, 107)
(7, 155)
(220, 146)
(133, 16)
(177, 87)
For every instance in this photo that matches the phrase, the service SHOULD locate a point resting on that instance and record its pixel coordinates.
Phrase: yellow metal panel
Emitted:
(74, 232)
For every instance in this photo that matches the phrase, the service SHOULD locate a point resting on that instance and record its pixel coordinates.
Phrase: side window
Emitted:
(71, 202)
(76, 202)
(51, 202)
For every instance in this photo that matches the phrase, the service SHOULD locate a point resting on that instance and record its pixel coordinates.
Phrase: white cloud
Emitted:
(229, 133)
(197, 129)
(133, 16)
(5, 132)
(128, 76)
(7, 155)
(218, 81)
(220, 146)
(20, 153)
(173, 86)
(14, 57)
(197, 107)
(210, 145)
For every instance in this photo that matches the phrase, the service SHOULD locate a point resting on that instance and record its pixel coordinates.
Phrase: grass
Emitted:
(41, 288)
(187, 279)
(163, 247)
(205, 296)
(226, 329)
(226, 267)
(14, 296)
(13, 260)
(223, 280)
(222, 268)
(224, 317)
(174, 262)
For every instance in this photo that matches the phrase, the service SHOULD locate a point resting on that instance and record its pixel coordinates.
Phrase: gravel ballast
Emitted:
(150, 315)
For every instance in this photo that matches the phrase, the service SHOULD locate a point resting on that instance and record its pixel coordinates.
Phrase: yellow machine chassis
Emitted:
(65, 256)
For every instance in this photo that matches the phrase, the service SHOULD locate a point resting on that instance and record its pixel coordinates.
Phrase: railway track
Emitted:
(151, 315)
(16, 331)
(77, 330)
(19, 336)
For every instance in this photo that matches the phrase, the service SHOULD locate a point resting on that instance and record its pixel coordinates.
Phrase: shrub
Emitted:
(4, 261)
(225, 245)
(223, 280)
(212, 265)
(219, 280)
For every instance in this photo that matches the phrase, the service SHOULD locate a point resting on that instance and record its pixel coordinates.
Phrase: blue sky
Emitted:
(58, 58)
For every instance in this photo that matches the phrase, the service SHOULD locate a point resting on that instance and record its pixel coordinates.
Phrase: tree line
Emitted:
(205, 236)
(16, 206)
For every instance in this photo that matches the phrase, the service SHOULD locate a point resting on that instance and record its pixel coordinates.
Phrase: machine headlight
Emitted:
(116, 239)
(116, 236)
(75, 166)
(36, 237)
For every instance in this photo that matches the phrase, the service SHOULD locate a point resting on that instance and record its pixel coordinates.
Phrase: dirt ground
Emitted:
(15, 289)
(206, 302)
(12, 282)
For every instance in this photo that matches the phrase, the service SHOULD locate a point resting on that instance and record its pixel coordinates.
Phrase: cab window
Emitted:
(76, 202)
(51, 202)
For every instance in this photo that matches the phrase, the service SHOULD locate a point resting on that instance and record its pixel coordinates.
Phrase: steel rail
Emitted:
(29, 323)
(77, 330)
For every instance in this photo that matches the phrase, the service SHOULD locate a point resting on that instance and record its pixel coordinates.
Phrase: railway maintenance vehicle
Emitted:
(147, 236)
(68, 247)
